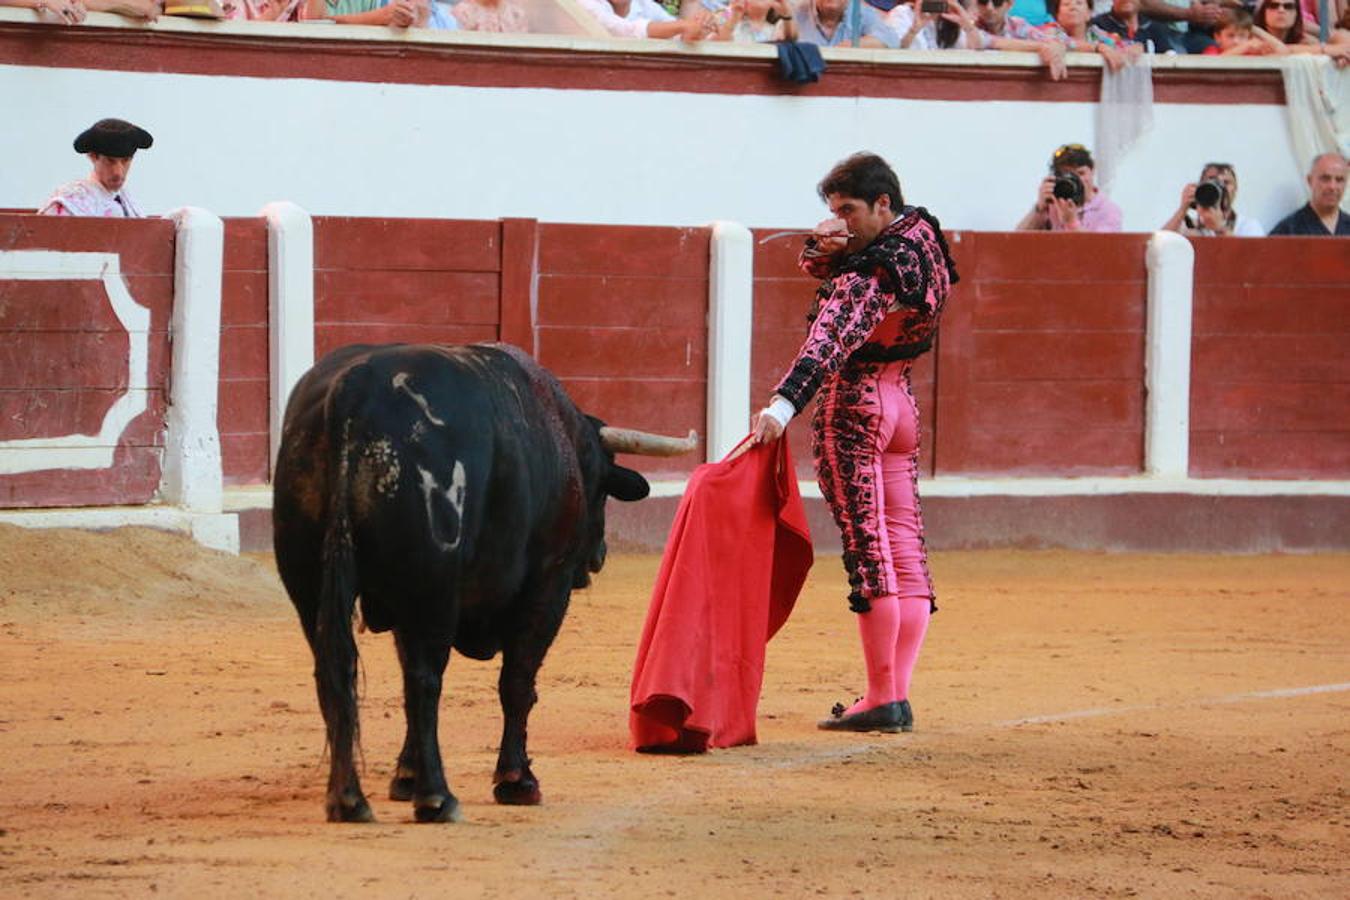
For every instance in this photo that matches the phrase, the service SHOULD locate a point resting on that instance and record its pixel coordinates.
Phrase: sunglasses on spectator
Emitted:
(1289, 6)
(1067, 148)
(994, 3)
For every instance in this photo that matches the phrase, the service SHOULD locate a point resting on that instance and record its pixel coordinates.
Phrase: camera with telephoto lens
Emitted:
(1068, 186)
(1209, 194)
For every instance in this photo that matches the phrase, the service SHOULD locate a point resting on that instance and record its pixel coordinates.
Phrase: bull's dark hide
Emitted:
(459, 493)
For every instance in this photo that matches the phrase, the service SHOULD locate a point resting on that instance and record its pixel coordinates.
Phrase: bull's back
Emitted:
(424, 442)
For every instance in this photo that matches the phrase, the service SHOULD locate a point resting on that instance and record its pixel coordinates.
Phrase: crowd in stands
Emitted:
(1117, 30)
(1068, 199)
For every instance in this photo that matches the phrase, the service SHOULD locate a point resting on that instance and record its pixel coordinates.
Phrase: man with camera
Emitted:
(1322, 215)
(1208, 207)
(1068, 198)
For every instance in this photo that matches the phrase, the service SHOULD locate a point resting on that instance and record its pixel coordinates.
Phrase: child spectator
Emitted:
(1237, 36)
(499, 16)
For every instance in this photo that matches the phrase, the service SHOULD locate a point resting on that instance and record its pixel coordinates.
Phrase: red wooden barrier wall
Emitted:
(623, 323)
(1270, 377)
(1038, 368)
(1041, 356)
(1039, 362)
(64, 358)
(244, 353)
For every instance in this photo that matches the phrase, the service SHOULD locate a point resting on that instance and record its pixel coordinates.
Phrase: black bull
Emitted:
(459, 493)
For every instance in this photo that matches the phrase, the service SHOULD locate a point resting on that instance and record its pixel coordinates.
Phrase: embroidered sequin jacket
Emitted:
(879, 304)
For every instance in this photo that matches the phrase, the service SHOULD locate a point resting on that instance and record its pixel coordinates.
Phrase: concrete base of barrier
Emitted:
(1145, 523)
(1118, 523)
(218, 531)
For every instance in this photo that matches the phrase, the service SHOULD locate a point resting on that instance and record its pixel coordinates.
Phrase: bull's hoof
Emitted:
(350, 808)
(524, 791)
(437, 808)
(401, 787)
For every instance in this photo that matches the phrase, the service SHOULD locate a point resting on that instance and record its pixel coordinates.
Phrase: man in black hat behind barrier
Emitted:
(110, 145)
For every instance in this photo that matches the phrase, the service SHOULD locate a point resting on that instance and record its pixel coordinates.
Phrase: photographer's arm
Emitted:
(1178, 221)
(1039, 217)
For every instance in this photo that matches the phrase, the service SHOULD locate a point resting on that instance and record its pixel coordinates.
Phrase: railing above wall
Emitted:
(584, 60)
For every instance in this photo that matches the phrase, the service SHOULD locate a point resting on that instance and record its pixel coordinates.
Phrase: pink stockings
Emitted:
(892, 634)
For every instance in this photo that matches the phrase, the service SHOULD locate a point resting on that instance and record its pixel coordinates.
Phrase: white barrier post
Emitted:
(192, 476)
(730, 316)
(290, 292)
(1167, 359)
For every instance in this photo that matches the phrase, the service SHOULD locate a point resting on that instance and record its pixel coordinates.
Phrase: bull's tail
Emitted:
(335, 654)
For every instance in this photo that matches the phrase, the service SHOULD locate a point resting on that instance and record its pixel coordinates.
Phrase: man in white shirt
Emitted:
(110, 145)
(645, 19)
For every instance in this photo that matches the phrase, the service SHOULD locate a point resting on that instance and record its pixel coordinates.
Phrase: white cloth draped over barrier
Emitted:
(1123, 115)
(1317, 96)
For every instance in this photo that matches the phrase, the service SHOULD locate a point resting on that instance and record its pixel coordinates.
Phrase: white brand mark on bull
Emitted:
(456, 494)
(401, 384)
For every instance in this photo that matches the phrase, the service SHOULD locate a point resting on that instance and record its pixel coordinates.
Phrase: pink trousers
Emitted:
(866, 445)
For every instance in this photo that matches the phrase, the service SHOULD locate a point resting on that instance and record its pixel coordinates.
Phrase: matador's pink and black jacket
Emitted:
(880, 304)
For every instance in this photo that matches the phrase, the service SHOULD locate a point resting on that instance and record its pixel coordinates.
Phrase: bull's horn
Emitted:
(626, 440)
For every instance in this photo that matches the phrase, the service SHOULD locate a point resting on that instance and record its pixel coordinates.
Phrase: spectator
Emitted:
(1033, 12)
(1321, 216)
(394, 13)
(149, 10)
(919, 30)
(1283, 20)
(1214, 212)
(995, 19)
(999, 29)
(646, 18)
(1072, 29)
(1088, 209)
(67, 12)
(497, 16)
(1192, 22)
(1124, 20)
(110, 145)
(262, 10)
(757, 21)
(827, 23)
(1236, 36)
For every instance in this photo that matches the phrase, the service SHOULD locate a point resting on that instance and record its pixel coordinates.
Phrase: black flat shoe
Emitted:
(885, 718)
(906, 716)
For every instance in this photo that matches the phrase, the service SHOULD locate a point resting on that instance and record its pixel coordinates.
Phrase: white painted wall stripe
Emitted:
(290, 257)
(82, 451)
(730, 320)
(1167, 356)
(193, 476)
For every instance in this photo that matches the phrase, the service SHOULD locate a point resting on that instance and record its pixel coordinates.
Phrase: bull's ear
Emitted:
(625, 484)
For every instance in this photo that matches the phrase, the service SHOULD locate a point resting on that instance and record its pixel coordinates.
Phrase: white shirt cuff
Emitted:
(781, 409)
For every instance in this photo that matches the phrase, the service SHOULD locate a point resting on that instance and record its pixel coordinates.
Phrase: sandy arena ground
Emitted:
(1087, 725)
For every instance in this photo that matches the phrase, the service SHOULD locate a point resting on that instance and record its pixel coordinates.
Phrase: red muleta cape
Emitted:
(737, 557)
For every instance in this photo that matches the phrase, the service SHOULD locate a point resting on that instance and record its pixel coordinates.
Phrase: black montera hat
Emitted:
(113, 137)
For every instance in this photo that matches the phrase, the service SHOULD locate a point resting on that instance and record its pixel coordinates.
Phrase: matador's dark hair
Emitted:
(865, 176)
